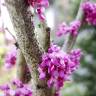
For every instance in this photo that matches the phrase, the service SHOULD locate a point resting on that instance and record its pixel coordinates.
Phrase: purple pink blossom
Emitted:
(16, 88)
(72, 28)
(57, 66)
(89, 12)
(39, 6)
(10, 58)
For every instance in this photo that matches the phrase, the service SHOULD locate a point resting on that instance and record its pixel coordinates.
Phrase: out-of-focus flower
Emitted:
(16, 88)
(90, 12)
(10, 58)
(72, 28)
(39, 6)
(36, 3)
(62, 29)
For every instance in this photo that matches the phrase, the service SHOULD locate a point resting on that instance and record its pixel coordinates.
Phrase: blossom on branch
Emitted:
(39, 6)
(57, 66)
(72, 28)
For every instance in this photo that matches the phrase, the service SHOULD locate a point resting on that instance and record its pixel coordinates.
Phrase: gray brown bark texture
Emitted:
(23, 72)
(28, 44)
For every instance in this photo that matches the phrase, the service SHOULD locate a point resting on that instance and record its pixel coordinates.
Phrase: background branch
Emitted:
(69, 43)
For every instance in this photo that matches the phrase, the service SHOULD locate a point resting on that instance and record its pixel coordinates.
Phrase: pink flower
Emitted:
(39, 6)
(5, 87)
(17, 83)
(10, 58)
(57, 66)
(73, 28)
(90, 12)
(18, 90)
(35, 3)
(62, 29)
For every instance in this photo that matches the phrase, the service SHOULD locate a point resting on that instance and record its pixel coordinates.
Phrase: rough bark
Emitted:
(28, 43)
(46, 32)
(23, 72)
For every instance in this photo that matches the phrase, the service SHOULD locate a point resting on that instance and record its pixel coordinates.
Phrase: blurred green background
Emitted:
(83, 81)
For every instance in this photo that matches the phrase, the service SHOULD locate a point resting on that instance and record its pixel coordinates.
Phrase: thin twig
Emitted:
(10, 33)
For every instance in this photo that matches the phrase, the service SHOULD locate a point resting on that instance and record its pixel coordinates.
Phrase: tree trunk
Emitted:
(29, 45)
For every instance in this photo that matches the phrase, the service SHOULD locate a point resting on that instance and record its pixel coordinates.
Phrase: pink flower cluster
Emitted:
(57, 66)
(10, 58)
(72, 28)
(40, 6)
(90, 12)
(17, 88)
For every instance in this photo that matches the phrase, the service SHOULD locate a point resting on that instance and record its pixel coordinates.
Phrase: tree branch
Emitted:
(23, 72)
(69, 43)
(28, 43)
(46, 32)
(25, 32)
